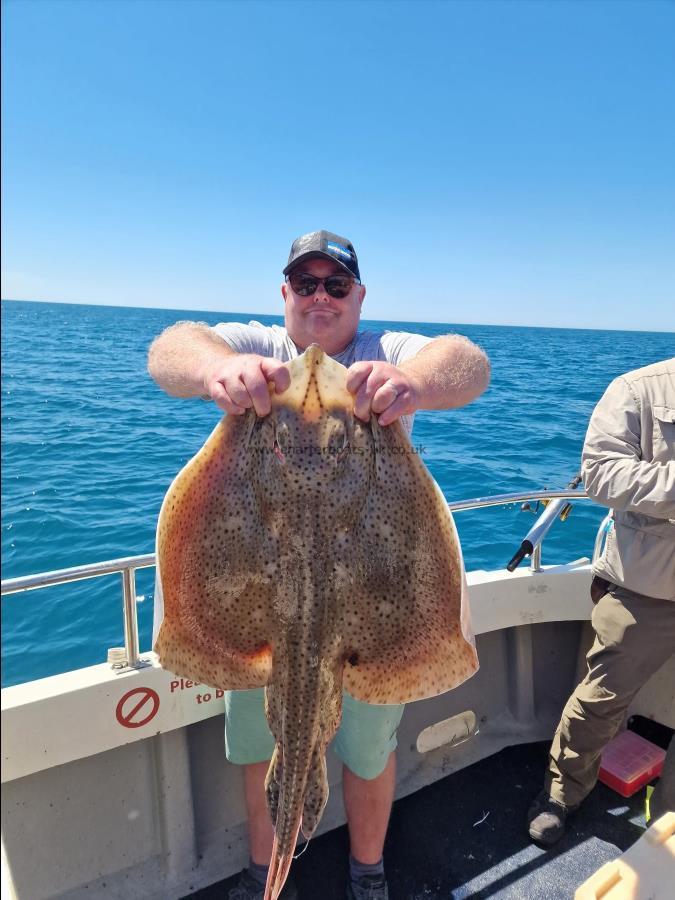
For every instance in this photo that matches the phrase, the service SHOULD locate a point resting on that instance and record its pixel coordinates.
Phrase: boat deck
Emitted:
(465, 837)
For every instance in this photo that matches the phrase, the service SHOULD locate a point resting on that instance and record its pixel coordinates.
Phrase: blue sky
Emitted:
(493, 162)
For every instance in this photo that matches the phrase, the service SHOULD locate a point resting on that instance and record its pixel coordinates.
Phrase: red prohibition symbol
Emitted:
(137, 707)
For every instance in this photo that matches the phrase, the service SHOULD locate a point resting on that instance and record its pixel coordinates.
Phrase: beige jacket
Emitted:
(628, 464)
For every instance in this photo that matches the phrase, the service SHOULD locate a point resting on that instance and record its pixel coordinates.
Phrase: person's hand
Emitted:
(240, 382)
(382, 389)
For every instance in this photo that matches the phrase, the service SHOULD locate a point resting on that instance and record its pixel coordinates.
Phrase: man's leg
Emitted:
(249, 743)
(634, 637)
(365, 742)
(260, 830)
(368, 806)
(367, 803)
(261, 837)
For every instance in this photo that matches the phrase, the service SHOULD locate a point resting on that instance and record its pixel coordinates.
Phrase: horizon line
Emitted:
(363, 319)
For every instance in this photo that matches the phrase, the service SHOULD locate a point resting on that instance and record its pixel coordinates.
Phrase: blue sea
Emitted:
(90, 445)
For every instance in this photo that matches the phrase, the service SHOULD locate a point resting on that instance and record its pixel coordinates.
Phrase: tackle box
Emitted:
(629, 762)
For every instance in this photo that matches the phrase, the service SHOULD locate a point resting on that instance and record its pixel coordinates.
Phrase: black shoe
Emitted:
(247, 888)
(546, 820)
(369, 887)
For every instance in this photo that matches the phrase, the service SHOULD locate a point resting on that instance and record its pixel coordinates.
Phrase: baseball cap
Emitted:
(327, 245)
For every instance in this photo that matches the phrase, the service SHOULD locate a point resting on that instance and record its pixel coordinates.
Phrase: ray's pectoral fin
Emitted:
(216, 567)
(405, 625)
(214, 664)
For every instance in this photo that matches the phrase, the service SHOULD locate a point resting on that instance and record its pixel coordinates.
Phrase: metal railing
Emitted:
(128, 565)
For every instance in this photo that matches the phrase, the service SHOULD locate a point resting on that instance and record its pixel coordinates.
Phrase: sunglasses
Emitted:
(337, 286)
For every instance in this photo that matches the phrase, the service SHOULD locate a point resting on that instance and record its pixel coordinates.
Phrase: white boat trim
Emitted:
(38, 717)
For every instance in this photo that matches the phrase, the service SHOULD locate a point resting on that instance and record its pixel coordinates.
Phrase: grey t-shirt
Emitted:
(274, 341)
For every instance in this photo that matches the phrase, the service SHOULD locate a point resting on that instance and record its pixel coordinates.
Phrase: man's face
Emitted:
(322, 319)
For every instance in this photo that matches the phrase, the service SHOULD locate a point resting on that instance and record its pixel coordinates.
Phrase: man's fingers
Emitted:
(395, 410)
(258, 392)
(375, 396)
(364, 396)
(243, 384)
(223, 400)
(256, 380)
(375, 392)
(362, 403)
(252, 388)
(239, 392)
(357, 374)
(277, 373)
(384, 396)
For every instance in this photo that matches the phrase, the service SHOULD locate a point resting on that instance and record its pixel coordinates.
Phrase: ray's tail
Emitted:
(297, 794)
(279, 866)
(286, 784)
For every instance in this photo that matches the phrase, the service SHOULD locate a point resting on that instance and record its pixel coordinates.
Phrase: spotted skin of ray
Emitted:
(307, 551)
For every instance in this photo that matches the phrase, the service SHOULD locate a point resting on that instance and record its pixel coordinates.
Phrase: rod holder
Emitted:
(130, 617)
(532, 541)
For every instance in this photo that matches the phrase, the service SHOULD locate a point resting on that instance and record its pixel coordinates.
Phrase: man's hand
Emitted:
(382, 389)
(240, 381)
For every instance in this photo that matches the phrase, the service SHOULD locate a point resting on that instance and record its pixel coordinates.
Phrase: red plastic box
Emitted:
(629, 762)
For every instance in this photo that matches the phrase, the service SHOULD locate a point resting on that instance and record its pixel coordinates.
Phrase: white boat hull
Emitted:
(116, 785)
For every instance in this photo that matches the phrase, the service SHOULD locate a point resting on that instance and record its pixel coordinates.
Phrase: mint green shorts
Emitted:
(365, 738)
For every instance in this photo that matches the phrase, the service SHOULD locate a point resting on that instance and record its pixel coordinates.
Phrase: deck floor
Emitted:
(465, 837)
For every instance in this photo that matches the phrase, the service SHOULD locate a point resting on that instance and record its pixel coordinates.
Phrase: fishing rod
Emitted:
(555, 509)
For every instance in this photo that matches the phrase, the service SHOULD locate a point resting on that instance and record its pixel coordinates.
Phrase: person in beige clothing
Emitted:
(628, 464)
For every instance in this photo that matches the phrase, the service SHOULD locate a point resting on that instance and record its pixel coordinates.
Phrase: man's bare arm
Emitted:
(180, 356)
(450, 371)
(189, 360)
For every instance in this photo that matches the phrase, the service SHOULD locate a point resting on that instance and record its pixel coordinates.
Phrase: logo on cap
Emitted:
(339, 249)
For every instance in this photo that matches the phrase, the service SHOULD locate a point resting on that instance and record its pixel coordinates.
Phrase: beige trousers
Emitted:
(634, 636)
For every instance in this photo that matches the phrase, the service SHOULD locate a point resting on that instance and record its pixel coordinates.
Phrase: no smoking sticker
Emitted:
(137, 707)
